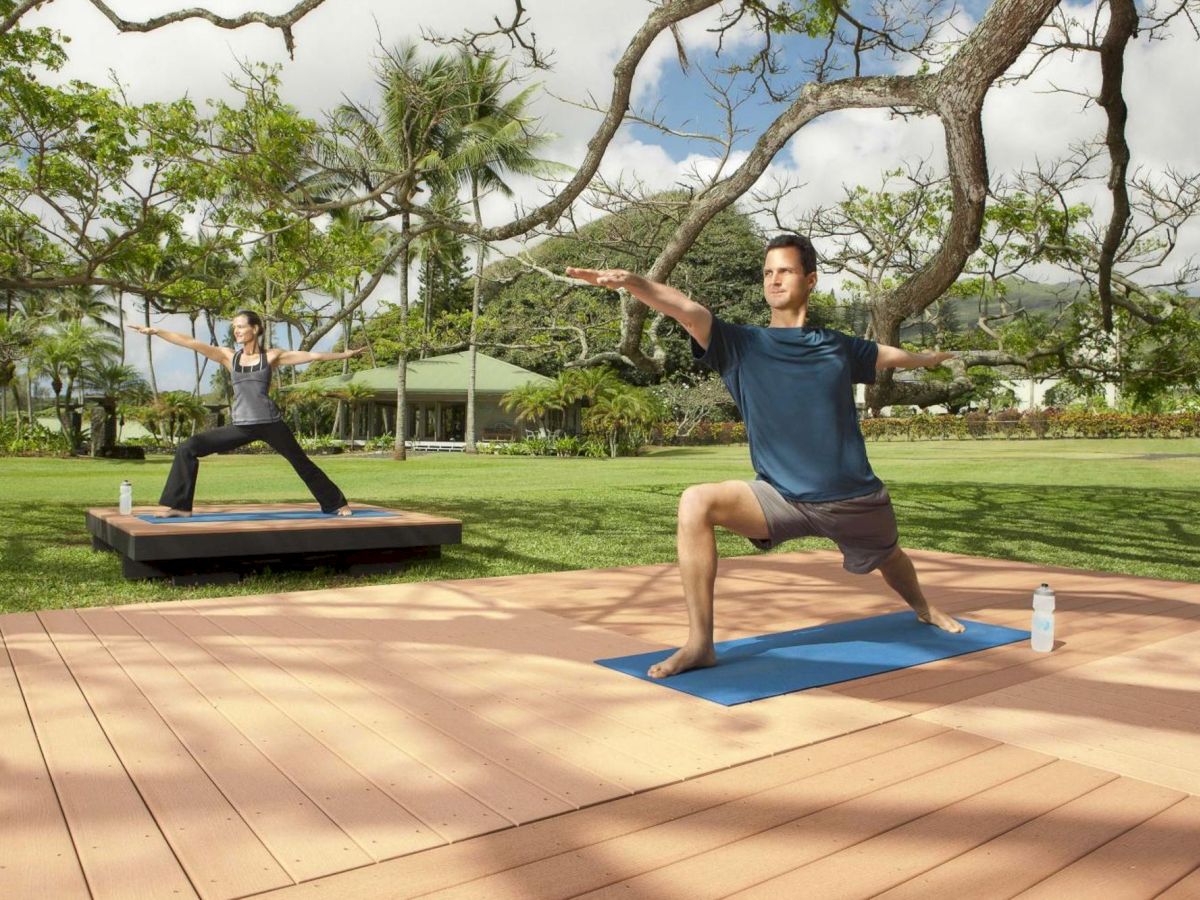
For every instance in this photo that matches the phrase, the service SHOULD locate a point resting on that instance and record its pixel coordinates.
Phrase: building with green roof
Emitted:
(437, 395)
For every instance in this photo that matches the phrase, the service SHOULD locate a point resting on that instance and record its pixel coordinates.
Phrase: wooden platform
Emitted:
(454, 739)
(191, 551)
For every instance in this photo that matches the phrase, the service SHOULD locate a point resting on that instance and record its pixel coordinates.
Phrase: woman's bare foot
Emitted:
(682, 660)
(345, 511)
(937, 618)
(177, 514)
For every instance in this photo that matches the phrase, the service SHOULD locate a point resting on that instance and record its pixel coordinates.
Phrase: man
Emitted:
(794, 387)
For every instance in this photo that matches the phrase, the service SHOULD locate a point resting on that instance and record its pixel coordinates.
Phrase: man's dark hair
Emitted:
(808, 253)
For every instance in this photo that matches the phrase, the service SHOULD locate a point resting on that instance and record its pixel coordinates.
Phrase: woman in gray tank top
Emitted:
(255, 416)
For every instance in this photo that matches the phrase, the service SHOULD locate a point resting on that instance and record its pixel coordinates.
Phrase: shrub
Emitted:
(31, 440)
(1043, 423)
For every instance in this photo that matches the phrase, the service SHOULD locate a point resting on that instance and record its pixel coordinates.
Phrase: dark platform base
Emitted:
(193, 553)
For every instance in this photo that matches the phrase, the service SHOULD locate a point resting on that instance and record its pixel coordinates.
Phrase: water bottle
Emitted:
(1042, 627)
(125, 503)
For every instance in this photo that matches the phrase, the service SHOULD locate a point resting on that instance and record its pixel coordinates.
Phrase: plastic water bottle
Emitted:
(1042, 627)
(125, 503)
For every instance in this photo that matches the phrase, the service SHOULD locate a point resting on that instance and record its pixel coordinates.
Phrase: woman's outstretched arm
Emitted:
(221, 355)
(300, 357)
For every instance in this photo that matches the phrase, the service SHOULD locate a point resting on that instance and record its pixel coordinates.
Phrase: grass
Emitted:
(1114, 505)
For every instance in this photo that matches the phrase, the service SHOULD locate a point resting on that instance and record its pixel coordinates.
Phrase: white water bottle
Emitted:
(125, 501)
(1041, 629)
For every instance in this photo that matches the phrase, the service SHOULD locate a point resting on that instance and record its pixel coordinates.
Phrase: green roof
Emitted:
(440, 375)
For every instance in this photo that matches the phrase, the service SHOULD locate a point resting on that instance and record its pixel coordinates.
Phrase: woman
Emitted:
(255, 416)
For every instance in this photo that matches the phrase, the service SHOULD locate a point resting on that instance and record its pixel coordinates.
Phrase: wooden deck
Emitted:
(454, 739)
(206, 548)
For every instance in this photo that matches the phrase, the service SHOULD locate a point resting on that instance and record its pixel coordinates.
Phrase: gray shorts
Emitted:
(864, 528)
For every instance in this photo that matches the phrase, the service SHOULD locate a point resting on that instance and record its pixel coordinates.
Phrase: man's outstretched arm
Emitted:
(896, 358)
(661, 297)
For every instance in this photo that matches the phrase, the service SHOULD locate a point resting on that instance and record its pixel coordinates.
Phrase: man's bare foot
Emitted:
(177, 514)
(682, 660)
(345, 511)
(939, 619)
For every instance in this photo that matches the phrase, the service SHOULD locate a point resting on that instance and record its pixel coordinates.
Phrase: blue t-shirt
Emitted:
(794, 388)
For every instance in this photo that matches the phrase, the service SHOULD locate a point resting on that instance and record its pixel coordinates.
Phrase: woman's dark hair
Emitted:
(253, 318)
(808, 253)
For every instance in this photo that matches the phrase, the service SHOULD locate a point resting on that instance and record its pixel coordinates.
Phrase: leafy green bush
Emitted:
(31, 440)
(1038, 423)
(321, 444)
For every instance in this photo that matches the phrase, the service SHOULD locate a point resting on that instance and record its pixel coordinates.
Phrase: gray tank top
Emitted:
(251, 404)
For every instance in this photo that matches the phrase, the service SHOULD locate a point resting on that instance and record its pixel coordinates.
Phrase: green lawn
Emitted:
(1122, 505)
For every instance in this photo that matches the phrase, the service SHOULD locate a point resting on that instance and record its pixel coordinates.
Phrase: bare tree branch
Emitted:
(283, 21)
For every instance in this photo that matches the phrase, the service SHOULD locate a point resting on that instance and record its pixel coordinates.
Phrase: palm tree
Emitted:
(587, 385)
(531, 403)
(312, 399)
(356, 394)
(493, 139)
(439, 257)
(83, 304)
(405, 142)
(179, 411)
(111, 384)
(623, 412)
(63, 355)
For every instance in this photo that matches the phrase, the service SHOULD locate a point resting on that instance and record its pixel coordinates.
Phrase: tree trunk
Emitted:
(121, 322)
(150, 353)
(480, 249)
(399, 451)
(428, 302)
(195, 358)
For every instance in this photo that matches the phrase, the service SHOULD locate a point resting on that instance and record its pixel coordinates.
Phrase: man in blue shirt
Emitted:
(794, 387)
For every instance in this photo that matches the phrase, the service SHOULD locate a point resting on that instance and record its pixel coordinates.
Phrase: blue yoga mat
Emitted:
(260, 516)
(772, 664)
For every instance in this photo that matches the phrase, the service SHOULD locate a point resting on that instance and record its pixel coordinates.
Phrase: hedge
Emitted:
(1047, 423)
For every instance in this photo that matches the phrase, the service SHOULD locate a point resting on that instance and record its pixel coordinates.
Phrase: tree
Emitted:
(492, 138)
(531, 403)
(837, 49)
(622, 414)
(111, 384)
(64, 354)
(441, 265)
(402, 147)
(356, 394)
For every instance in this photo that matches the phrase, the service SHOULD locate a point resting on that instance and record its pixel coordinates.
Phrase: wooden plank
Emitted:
(549, 651)
(677, 845)
(1186, 622)
(305, 841)
(1041, 847)
(113, 831)
(373, 821)
(578, 761)
(1144, 861)
(1056, 735)
(1078, 622)
(871, 867)
(1071, 714)
(462, 790)
(464, 863)
(1186, 888)
(745, 862)
(38, 857)
(220, 853)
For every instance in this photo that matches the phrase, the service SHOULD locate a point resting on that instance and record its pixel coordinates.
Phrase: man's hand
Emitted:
(613, 279)
(143, 329)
